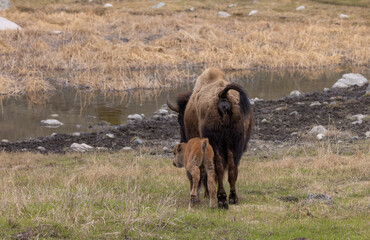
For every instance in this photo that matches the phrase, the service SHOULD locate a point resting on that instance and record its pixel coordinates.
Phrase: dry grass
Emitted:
(134, 46)
(124, 195)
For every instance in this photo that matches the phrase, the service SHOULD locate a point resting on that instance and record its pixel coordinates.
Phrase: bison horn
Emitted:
(171, 105)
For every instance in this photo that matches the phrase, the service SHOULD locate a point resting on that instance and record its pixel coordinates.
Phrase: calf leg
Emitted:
(211, 188)
(233, 175)
(221, 194)
(195, 174)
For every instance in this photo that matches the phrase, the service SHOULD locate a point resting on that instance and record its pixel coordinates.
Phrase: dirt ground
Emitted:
(287, 120)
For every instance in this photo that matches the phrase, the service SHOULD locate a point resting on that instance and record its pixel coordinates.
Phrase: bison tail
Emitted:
(204, 145)
(244, 101)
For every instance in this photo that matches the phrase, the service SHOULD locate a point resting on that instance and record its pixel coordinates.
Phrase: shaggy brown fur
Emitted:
(225, 118)
(197, 156)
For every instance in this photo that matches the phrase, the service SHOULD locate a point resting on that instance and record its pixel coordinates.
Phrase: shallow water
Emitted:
(81, 112)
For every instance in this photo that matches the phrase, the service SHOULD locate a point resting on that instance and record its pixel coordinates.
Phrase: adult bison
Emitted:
(225, 117)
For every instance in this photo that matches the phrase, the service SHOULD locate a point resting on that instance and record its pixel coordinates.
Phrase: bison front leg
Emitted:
(221, 194)
(232, 177)
(195, 175)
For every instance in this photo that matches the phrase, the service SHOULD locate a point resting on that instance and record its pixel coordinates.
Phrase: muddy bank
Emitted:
(287, 120)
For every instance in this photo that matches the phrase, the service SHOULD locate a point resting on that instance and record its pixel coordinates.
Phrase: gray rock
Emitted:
(358, 118)
(295, 93)
(166, 149)
(320, 136)
(54, 115)
(264, 120)
(326, 89)
(53, 134)
(231, 5)
(343, 16)
(5, 24)
(126, 149)
(78, 126)
(294, 134)
(319, 197)
(161, 112)
(300, 8)
(41, 149)
(367, 134)
(4, 140)
(316, 103)
(253, 100)
(223, 14)
(318, 129)
(77, 147)
(134, 117)
(171, 116)
(108, 5)
(192, 9)
(355, 138)
(4, 4)
(159, 5)
(251, 13)
(138, 141)
(294, 113)
(51, 122)
(368, 89)
(102, 149)
(350, 79)
(76, 134)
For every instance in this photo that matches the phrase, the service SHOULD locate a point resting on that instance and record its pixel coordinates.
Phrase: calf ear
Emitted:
(179, 148)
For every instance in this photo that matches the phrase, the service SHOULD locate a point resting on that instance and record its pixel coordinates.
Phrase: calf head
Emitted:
(178, 152)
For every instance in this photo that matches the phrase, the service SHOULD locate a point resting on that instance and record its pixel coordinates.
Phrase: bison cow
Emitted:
(220, 111)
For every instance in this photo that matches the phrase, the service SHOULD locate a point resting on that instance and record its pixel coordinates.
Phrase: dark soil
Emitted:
(337, 107)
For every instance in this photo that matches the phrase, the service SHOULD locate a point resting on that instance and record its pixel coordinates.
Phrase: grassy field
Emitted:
(129, 195)
(132, 45)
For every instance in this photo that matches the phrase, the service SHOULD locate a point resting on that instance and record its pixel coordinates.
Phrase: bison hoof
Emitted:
(222, 201)
(223, 205)
(233, 198)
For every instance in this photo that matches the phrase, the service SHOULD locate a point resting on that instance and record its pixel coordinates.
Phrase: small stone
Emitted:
(358, 118)
(159, 5)
(368, 89)
(53, 134)
(77, 147)
(355, 138)
(223, 14)
(171, 116)
(102, 149)
(295, 93)
(51, 122)
(320, 136)
(166, 149)
(294, 113)
(343, 16)
(41, 149)
(108, 5)
(316, 103)
(281, 108)
(76, 134)
(4, 140)
(252, 12)
(110, 135)
(231, 5)
(5, 24)
(264, 120)
(56, 32)
(294, 134)
(174, 144)
(367, 134)
(135, 117)
(126, 149)
(161, 112)
(300, 8)
(138, 141)
(318, 129)
(78, 126)
(326, 89)
(54, 115)
(192, 9)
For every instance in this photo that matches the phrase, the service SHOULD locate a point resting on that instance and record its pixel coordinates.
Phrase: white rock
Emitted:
(159, 5)
(78, 126)
(162, 112)
(138, 141)
(326, 89)
(252, 12)
(54, 115)
(4, 140)
(76, 134)
(293, 113)
(367, 134)
(320, 136)
(110, 135)
(343, 16)
(350, 79)
(231, 5)
(53, 134)
(5, 24)
(42, 149)
(126, 149)
(264, 120)
(358, 119)
(56, 32)
(51, 122)
(316, 103)
(300, 8)
(295, 93)
(108, 5)
(253, 100)
(223, 14)
(318, 129)
(136, 117)
(4, 4)
(80, 147)
(191, 9)
(102, 149)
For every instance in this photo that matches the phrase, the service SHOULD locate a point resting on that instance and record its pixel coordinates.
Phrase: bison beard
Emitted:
(224, 117)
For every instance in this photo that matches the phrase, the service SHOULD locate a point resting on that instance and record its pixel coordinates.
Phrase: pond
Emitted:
(85, 112)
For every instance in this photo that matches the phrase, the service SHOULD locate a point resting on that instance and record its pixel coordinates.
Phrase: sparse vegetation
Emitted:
(123, 195)
(133, 46)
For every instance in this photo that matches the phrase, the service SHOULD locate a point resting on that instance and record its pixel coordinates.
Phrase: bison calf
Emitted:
(197, 157)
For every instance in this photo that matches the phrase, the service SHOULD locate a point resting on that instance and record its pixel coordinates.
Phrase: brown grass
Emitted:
(134, 46)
